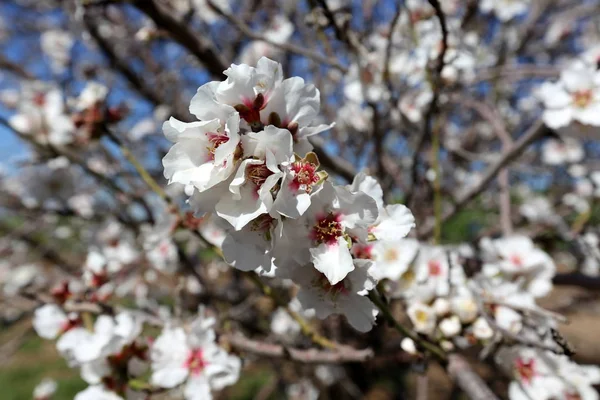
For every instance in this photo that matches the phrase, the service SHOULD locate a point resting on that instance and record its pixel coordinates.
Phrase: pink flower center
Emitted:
(305, 176)
(572, 396)
(363, 251)
(39, 99)
(435, 268)
(258, 174)
(582, 98)
(70, 324)
(164, 249)
(525, 369)
(62, 293)
(195, 362)
(328, 229)
(250, 111)
(517, 260)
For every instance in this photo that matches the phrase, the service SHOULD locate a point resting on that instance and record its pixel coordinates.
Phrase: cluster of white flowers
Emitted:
(574, 100)
(115, 351)
(452, 304)
(540, 374)
(248, 161)
(44, 115)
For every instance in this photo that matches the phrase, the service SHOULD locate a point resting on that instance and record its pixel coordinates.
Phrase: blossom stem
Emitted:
(305, 327)
(144, 174)
(437, 186)
(387, 313)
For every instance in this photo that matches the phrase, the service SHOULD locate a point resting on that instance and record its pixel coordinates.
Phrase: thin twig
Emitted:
(342, 354)
(535, 132)
(289, 47)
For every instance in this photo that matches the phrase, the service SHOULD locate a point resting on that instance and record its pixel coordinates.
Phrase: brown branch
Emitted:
(136, 82)
(333, 163)
(577, 279)
(432, 110)
(342, 354)
(463, 375)
(292, 48)
(202, 49)
(38, 245)
(491, 116)
(14, 68)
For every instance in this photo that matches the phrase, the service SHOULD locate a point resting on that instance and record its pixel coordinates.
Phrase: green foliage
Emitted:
(467, 224)
(37, 359)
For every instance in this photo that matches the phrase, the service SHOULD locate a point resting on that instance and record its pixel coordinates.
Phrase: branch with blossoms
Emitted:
(178, 251)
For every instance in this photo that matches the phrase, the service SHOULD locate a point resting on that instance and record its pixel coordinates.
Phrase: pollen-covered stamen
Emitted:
(342, 287)
(305, 176)
(390, 255)
(262, 223)
(258, 174)
(195, 362)
(215, 139)
(328, 229)
(582, 98)
(525, 370)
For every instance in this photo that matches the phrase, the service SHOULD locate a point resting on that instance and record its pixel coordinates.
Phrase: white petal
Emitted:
(333, 260)
(396, 223)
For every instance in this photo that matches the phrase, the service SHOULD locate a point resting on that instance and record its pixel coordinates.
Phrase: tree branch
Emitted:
(342, 354)
(535, 132)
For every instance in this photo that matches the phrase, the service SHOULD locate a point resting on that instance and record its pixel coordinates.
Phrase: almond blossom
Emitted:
(517, 258)
(574, 98)
(346, 297)
(505, 10)
(323, 235)
(192, 357)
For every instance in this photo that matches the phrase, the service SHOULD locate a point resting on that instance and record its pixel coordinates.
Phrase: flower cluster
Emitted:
(248, 161)
(543, 374)
(463, 296)
(114, 351)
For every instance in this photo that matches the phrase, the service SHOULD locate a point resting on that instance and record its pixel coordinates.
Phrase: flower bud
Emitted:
(408, 345)
(450, 326)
